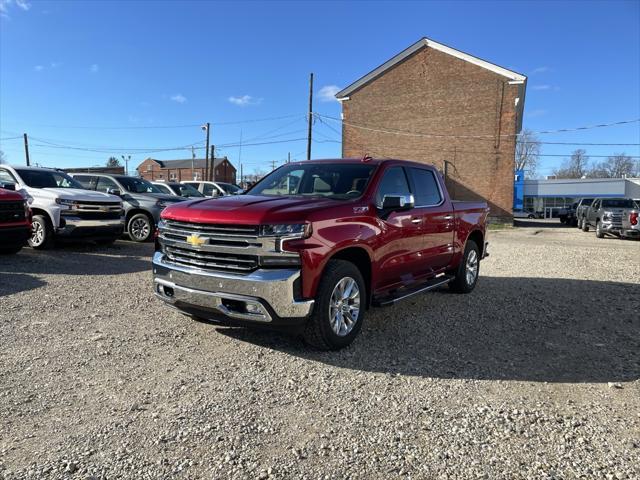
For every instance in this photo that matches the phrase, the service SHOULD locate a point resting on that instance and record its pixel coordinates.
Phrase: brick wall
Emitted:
(433, 92)
(151, 170)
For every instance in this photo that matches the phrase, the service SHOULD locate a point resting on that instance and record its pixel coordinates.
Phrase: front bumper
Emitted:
(263, 296)
(78, 227)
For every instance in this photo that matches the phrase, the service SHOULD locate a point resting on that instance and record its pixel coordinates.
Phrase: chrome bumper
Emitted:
(250, 297)
(77, 225)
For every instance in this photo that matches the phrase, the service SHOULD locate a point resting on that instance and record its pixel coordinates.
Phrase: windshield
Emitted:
(138, 185)
(618, 203)
(47, 179)
(230, 189)
(341, 181)
(587, 201)
(185, 190)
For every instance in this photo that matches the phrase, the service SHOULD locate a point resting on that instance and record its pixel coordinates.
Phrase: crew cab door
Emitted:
(437, 218)
(592, 211)
(399, 254)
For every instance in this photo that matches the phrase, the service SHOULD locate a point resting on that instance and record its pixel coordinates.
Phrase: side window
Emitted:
(87, 181)
(164, 189)
(207, 190)
(426, 192)
(6, 177)
(105, 184)
(394, 182)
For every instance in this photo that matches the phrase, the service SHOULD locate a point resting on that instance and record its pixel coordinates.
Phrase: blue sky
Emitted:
(127, 65)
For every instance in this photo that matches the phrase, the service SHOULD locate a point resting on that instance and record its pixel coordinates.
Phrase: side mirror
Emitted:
(114, 191)
(398, 202)
(8, 186)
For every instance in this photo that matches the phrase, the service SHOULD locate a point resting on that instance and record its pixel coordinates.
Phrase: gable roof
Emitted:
(188, 162)
(419, 45)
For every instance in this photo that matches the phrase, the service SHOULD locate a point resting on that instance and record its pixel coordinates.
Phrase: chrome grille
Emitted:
(615, 219)
(95, 210)
(229, 248)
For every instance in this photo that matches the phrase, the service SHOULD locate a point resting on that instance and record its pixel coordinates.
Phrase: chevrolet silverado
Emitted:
(314, 244)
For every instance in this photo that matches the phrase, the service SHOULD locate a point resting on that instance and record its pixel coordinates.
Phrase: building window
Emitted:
(149, 167)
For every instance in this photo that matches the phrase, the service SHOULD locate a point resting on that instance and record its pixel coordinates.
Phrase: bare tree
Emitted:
(3, 159)
(619, 165)
(528, 149)
(113, 162)
(575, 167)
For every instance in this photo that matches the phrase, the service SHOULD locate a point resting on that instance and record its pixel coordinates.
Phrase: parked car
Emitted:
(214, 189)
(606, 215)
(312, 258)
(15, 219)
(568, 214)
(142, 201)
(631, 223)
(581, 210)
(178, 189)
(524, 214)
(62, 208)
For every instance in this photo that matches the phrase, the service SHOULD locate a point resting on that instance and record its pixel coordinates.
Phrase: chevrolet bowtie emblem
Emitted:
(195, 240)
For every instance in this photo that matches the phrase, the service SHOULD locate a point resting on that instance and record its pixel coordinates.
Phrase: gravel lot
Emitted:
(534, 375)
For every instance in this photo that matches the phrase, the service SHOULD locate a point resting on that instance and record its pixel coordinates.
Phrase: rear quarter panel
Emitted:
(470, 217)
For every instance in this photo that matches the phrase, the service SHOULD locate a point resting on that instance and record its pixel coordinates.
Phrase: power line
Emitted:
(587, 144)
(145, 127)
(438, 135)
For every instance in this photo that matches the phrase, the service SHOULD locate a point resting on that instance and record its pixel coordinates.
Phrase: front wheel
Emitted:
(338, 312)
(466, 275)
(599, 231)
(140, 227)
(41, 232)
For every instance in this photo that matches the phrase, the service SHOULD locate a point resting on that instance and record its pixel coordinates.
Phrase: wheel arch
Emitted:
(360, 257)
(135, 211)
(42, 211)
(478, 237)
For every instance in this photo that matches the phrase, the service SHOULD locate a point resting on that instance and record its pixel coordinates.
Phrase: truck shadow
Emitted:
(11, 283)
(528, 329)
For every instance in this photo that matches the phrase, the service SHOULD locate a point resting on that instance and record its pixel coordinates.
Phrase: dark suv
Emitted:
(142, 201)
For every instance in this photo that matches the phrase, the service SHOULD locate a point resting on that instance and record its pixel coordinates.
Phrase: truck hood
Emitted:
(248, 209)
(153, 197)
(76, 194)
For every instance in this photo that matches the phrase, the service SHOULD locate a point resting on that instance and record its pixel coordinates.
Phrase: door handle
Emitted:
(416, 220)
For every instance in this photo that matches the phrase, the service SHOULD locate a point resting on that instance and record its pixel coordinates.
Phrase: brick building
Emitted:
(438, 105)
(178, 170)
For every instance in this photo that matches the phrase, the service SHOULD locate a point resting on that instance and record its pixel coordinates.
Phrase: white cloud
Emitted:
(94, 68)
(23, 4)
(542, 69)
(55, 64)
(245, 100)
(541, 87)
(179, 98)
(328, 93)
(38, 68)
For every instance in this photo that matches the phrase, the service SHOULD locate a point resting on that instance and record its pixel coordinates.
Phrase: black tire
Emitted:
(461, 282)
(10, 250)
(599, 232)
(41, 233)
(585, 225)
(318, 331)
(140, 227)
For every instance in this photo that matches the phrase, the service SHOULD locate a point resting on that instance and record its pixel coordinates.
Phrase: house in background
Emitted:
(438, 105)
(189, 169)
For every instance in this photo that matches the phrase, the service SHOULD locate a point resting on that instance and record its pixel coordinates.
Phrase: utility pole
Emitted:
(310, 116)
(289, 157)
(212, 171)
(126, 162)
(206, 128)
(273, 165)
(193, 158)
(241, 176)
(26, 149)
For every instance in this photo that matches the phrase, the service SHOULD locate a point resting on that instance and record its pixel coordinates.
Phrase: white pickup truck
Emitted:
(62, 208)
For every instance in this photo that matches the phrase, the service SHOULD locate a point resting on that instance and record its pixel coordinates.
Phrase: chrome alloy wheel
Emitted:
(472, 267)
(140, 228)
(344, 306)
(37, 234)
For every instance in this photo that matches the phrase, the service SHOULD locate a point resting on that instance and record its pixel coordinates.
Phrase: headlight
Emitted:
(297, 230)
(161, 204)
(606, 217)
(64, 201)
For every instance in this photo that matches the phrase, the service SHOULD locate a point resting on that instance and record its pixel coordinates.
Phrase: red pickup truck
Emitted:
(15, 221)
(314, 244)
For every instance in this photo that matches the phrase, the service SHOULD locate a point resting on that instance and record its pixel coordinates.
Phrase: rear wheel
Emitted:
(585, 225)
(466, 275)
(599, 231)
(140, 227)
(338, 312)
(41, 232)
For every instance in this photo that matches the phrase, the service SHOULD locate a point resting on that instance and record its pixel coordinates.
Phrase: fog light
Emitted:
(254, 308)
